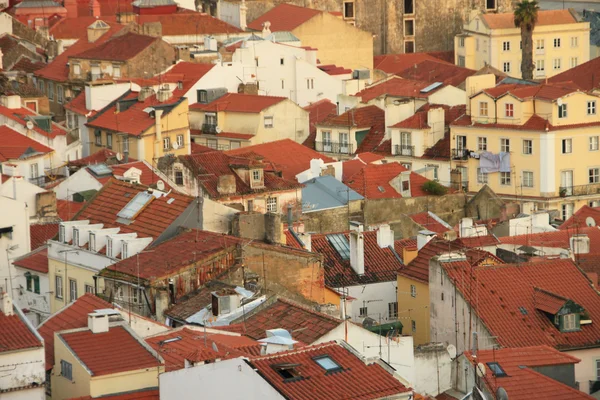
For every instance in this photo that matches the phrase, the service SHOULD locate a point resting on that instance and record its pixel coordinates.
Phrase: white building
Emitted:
(14, 238)
(32, 285)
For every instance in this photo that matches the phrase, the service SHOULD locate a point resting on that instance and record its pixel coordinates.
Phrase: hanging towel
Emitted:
(489, 162)
(504, 162)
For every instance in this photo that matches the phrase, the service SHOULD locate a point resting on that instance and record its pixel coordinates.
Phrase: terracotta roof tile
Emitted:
(37, 261)
(560, 239)
(101, 156)
(394, 86)
(107, 7)
(544, 17)
(547, 301)
(535, 123)
(373, 181)
(290, 157)
(198, 148)
(189, 23)
(581, 218)
(356, 379)
(67, 209)
(15, 334)
(478, 241)
(78, 106)
(396, 63)
(74, 315)
(416, 121)
(109, 352)
(239, 102)
(318, 112)
(145, 394)
(195, 301)
(119, 48)
(551, 91)
(27, 65)
(15, 146)
(284, 17)
(503, 290)
(76, 27)
(427, 221)
(41, 233)
(436, 71)
(584, 75)
(369, 157)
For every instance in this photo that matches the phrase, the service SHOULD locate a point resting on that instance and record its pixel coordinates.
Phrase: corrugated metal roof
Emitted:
(326, 192)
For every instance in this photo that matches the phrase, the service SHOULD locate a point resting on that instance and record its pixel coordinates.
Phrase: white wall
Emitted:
(37, 304)
(25, 191)
(13, 214)
(229, 379)
(222, 75)
(585, 371)
(78, 182)
(375, 297)
(216, 217)
(433, 372)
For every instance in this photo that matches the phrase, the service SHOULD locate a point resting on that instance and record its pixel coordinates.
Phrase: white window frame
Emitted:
(505, 145)
(566, 146)
(505, 180)
(268, 122)
(574, 41)
(58, 286)
(562, 111)
(528, 150)
(271, 204)
(569, 322)
(556, 64)
(166, 143)
(393, 310)
(567, 211)
(92, 241)
(506, 46)
(591, 107)
(482, 177)
(76, 69)
(483, 109)
(574, 62)
(594, 175)
(509, 110)
(594, 143)
(482, 143)
(528, 183)
(116, 71)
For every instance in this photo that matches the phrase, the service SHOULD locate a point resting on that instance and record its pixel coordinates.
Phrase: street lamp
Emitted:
(65, 252)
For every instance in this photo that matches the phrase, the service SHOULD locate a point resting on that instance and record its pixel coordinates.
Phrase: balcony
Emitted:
(209, 128)
(404, 150)
(38, 181)
(594, 386)
(460, 154)
(579, 190)
(334, 147)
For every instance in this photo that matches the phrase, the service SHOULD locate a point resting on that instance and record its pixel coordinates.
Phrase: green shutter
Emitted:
(28, 278)
(36, 284)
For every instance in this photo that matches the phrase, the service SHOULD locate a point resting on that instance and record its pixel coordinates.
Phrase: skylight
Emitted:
(431, 87)
(100, 169)
(496, 369)
(340, 244)
(135, 205)
(327, 363)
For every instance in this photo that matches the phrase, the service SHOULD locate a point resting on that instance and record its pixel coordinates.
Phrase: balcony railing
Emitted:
(460, 154)
(579, 190)
(209, 128)
(404, 150)
(39, 181)
(334, 147)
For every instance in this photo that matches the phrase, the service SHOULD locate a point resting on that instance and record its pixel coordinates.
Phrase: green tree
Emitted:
(526, 14)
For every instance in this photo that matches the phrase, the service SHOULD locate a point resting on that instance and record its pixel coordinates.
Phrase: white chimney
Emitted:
(580, 244)
(6, 304)
(98, 323)
(465, 225)
(266, 28)
(385, 236)
(243, 11)
(423, 238)
(316, 165)
(357, 251)
(12, 102)
(210, 43)
(306, 239)
(277, 340)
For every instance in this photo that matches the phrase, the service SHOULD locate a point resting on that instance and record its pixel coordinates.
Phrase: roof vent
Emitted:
(6, 304)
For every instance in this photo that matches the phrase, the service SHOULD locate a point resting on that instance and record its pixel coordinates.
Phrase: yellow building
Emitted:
(538, 144)
(560, 42)
(102, 359)
(143, 126)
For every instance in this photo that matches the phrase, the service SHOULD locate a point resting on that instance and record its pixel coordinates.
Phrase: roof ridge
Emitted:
(305, 308)
(303, 349)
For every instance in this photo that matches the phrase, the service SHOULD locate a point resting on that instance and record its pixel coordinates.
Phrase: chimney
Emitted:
(144, 93)
(385, 236)
(163, 94)
(580, 244)
(465, 226)
(423, 238)
(226, 184)
(243, 11)
(95, 8)
(277, 340)
(71, 6)
(409, 253)
(266, 28)
(357, 251)
(307, 240)
(12, 102)
(6, 304)
(97, 323)
(158, 126)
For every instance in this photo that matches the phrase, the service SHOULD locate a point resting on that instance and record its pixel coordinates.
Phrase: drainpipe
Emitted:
(158, 129)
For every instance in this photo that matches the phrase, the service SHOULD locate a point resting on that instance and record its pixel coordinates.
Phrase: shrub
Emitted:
(434, 188)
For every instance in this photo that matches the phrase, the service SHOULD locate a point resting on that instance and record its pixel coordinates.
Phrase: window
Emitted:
(540, 66)
(505, 145)
(272, 204)
(363, 312)
(235, 144)
(483, 108)
(527, 179)
(29, 284)
(413, 324)
(490, 4)
(72, 290)
(327, 363)
(250, 205)
(509, 110)
(75, 237)
(435, 168)
(109, 140)
(124, 252)
(461, 42)
(567, 146)
(61, 233)
(482, 177)
(41, 86)
(326, 137)
(58, 289)
(34, 171)
(89, 289)
(92, 242)
(556, 64)
(539, 44)
(461, 61)
(98, 136)
(594, 143)
(591, 107)
(569, 322)
(310, 83)
(166, 143)
(125, 145)
(506, 66)
(562, 111)
(116, 71)
(210, 119)
(179, 178)
(409, 7)
(409, 27)
(482, 143)
(50, 91)
(574, 41)
(413, 291)
(256, 175)
(556, 43)
(527, 146)
(60, 93)
(76, 69)
(202, 96)
(268, 122)
(349, 9)
(506, 46)
(598, 370)
(109, 247)
(574, 62)
(594, 175)
(567, 211)
(36, 284)
(393, 310)
(505, 178)
(496, 369)
(66, 370)
(283, 83)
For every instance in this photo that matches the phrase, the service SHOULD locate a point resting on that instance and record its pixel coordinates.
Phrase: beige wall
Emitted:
(419, 306)
(125, 382)
(81, 275)
(62, 388)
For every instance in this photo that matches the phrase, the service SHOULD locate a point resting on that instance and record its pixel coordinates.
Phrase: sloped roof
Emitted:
(547, 301)
(584, 75)
(559, 239)
(101, 156)
(397, 87)
(435, 71)
(284, 17)
(189, 23)
(196, 300)
(27, 65)
(76, 27)
(39, 234)
(550, 91)
(544, 17)
(290, 157)
(23, 115)
(239, 102)
(396, 63)
(429, 221)
(504, 291)
(325, 192)
(582, 217)
(370, 117)
(318, 112)
(78, 106)
(119, 48)
(15, 334)
(15, 146)
(74, 315)
(109, 352)
(36, 261)
(67, 209)
(356, 380)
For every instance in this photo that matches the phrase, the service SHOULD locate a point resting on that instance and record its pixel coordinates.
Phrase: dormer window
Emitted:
(75, 237)
(92, 241)
(109, 247)
(256, 178)
(61, 233)
(124, 251)
(570, 322)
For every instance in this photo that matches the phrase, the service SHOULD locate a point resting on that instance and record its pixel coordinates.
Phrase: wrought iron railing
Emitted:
(579, 190)
(209, 128)
(334, 147)
(404, 150)
(460, 154)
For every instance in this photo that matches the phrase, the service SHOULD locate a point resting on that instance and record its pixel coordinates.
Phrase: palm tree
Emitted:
(526, 13)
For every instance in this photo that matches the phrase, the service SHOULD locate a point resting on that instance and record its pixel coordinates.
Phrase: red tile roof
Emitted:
(547, 91)
(152, 221)
(119, 48)
(74, 315)
(198, 148)
(109, 352)
(372, 178)
(416, 121)
(284, 17)
(437, 71)
(77, 105)
(41, 233)
(290, 157)
(479, 241)
(239, 102)
(15, 146)
(148, 175)
(76, 27)
(427, 221)
(331, 69)
(502, 290)
(544, 17)
(145, 394)
(189, 23)
(67, 209)
(369, 157)
(355, 380)
(547, 301)
(15, 334)
(522, 381)
(318, 112)
(193, 346)
(584, 75)
(396, 63)
(27, 65)
(560, 239)
(394, 86)
(37, 261)
(305, 324)
(178, 252)
(535, 123)
(101, 156)
(582, 217)
(381, 264)
(369, 117)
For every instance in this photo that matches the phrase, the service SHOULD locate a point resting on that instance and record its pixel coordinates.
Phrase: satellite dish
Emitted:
(29, 125)
(175, 146)
(501, 394)
(559, 102)
(217, 129)
(589, 221)
(119, 157)
(160, 185)
(481, 370)
(451, 351)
